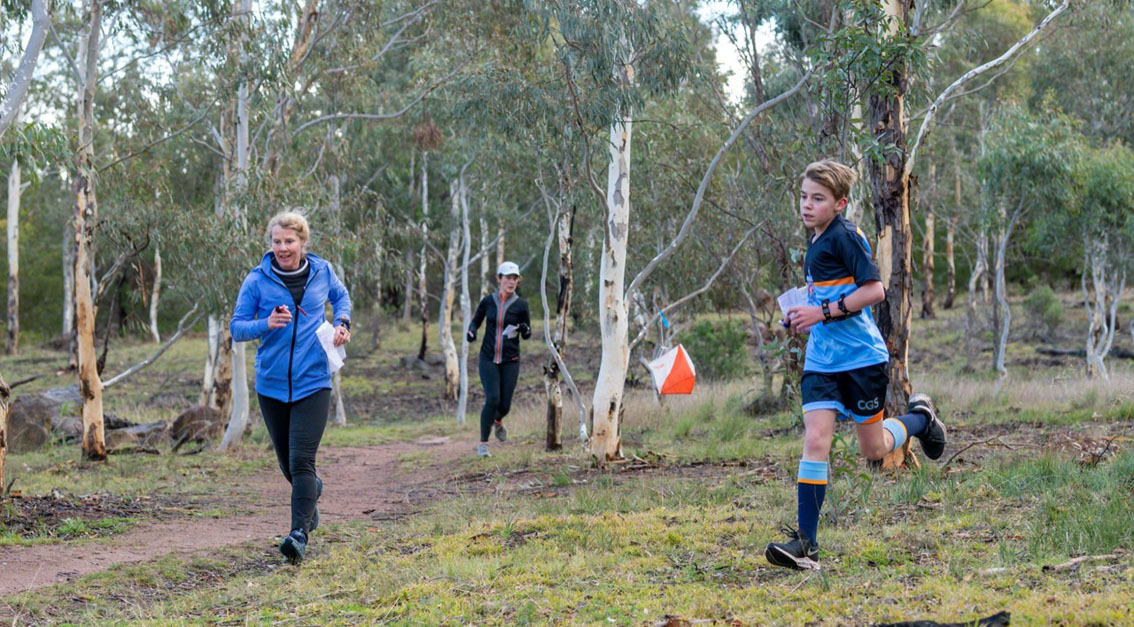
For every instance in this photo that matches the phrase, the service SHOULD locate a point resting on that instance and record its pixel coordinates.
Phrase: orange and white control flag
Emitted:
(673, 372)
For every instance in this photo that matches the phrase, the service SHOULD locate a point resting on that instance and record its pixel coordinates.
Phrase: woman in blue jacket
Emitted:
(281, 303)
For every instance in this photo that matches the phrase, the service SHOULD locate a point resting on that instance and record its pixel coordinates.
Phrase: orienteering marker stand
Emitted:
(673, 372)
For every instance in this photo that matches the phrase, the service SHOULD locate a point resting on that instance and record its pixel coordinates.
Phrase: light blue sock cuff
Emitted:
(896, 429)
(812, 472)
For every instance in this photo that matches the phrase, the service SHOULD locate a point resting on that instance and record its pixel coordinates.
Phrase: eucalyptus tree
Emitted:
(86, 215)
(1096, 233)
(1027, 168)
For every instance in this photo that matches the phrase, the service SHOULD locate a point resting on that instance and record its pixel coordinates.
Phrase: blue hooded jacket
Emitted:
(290, 363)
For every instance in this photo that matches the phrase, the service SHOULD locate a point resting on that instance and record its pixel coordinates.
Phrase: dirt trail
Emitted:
(361, 482)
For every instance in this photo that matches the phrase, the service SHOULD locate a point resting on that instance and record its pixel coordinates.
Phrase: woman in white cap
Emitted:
(499, 365)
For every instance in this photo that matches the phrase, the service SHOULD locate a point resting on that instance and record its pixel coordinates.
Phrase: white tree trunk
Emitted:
(466, 307)
(1105, 291)
(18, 88)
(448, 293)
(86, 215)
(606, 406)
(485, 283)
(68, 279)
(1002, 238)
(338, 416)
(407, 303)
(238, 423)
(13, 345)
(423, 295)
(207, 398)
(155, 295)
(980, 268)
(499, 250)
(553, 387)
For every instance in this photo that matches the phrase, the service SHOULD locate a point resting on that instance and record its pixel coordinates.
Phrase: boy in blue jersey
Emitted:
(845, 371)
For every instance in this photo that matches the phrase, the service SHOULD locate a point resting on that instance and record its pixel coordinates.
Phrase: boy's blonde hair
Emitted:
(290, 220)
(833, 175)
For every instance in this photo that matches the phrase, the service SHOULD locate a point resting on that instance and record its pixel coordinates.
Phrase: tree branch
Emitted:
(188, 320)
(699, 198)
(380, 116)
(697, 292)
(154, 143)
(553, 218)
(973, 73)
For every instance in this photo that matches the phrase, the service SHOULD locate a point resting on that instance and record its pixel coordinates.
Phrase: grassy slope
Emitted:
(564, 543)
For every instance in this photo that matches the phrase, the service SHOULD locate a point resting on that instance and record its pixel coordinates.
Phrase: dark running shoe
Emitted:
(798, 554)
(933, 438)
(499, 431)
(294, 545)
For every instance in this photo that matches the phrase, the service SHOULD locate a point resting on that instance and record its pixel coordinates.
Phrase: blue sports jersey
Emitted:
(836, 264)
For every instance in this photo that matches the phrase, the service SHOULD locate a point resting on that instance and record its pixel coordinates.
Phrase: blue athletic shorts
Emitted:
(858, 393)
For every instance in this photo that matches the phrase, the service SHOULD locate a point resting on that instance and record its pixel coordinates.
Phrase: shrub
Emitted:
(1045, 311)
(719, 350)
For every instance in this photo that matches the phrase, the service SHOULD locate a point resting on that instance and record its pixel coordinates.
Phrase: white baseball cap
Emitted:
(508, 268)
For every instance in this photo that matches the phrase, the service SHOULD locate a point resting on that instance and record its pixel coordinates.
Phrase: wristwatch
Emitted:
(826, 310)
(346, 323)
(843, 304)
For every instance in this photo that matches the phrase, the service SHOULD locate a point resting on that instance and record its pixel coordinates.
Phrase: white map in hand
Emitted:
(794, 297)
(510, 331)
(336, 355)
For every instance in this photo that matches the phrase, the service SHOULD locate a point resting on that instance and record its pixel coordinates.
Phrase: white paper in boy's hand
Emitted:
(335, 354)
(510, 331)
(794, 297)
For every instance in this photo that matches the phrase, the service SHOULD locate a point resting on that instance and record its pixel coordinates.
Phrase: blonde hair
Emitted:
(290, 220)
(833, 175)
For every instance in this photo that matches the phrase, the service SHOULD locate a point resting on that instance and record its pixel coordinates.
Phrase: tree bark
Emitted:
(154, 296)
(1003, 322)
(220, 396)
(466, 306)
(69, 289)
(606, 406)
(551, 383)
(890, 189)
(407, 302)
(86, 216)
(423, 295)
(448, 295)
(499, 249)
(235, 186)
(5, 391)
(12, 346)
(18, 88)
(1105, 291)
(485, 283)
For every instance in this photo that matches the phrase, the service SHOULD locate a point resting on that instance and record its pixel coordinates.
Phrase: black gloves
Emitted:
(525, 330)
(471, 335)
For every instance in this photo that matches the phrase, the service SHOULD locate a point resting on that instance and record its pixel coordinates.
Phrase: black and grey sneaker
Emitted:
(798, 554)
(294, 545)
(499, 431)
(934, 436)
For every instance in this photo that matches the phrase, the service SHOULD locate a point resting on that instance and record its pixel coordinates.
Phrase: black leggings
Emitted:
(499, 381)
(295, 429)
